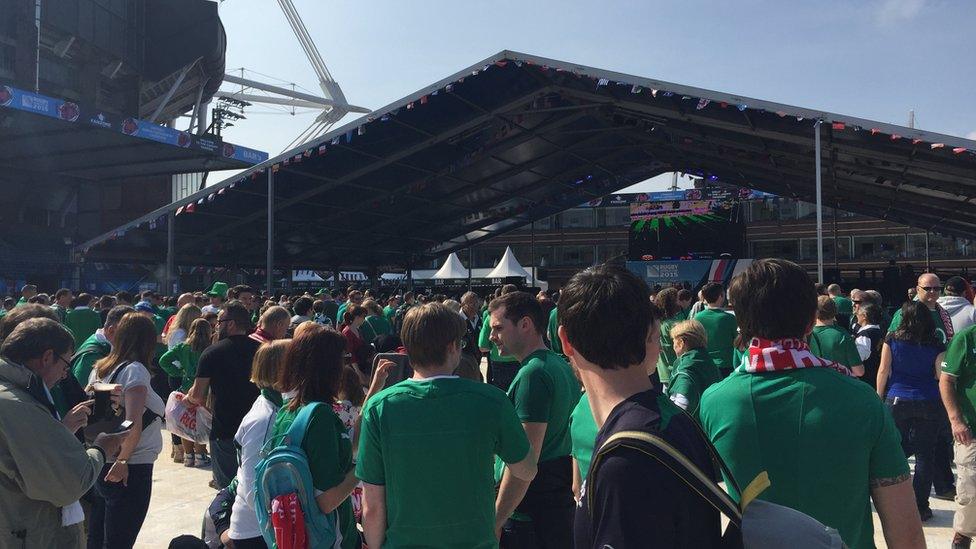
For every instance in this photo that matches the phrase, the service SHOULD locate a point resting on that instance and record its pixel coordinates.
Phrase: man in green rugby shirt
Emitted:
(928, 291)
(544, 393)
(828, 340)
(720, 328)
(426, 445)
(958, 387)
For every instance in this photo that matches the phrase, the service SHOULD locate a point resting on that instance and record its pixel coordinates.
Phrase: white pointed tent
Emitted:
(452, 268)
(508, 266)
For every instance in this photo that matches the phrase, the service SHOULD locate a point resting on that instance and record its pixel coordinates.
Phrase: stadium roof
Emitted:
(49, 135)
(516, 138)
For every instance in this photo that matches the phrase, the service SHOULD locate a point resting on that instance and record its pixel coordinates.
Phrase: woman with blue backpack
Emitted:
(312, 378)
(251, 437)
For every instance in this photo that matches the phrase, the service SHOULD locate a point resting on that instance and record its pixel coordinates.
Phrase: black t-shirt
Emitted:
(331, 308)
(638, 502)
(228, 365)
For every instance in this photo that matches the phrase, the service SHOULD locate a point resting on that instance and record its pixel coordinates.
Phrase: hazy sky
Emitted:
(875, 59)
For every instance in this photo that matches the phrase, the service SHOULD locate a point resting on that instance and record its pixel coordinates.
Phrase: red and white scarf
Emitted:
(765, 355)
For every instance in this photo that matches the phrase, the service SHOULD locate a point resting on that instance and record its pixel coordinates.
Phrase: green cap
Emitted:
(219, 289)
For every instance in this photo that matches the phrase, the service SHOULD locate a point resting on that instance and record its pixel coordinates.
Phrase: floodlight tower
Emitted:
(332, 103)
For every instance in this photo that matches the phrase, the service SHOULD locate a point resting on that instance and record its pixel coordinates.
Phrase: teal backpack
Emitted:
(284, 470)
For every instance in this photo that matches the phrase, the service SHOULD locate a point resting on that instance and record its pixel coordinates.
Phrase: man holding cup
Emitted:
(45, 468)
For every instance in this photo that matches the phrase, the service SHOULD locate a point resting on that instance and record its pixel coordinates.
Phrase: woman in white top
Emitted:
(251, 435)
(176, 332)
(125, 483)
(180, 327)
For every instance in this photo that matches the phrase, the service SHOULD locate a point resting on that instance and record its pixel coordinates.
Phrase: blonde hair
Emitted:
(691, 333)
(183, 320)
(268, 362)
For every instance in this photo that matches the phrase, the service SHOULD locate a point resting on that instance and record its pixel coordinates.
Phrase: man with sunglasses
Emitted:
(928, 290)
(225, 370)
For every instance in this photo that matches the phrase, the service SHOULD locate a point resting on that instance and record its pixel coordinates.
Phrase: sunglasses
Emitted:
(931, 289)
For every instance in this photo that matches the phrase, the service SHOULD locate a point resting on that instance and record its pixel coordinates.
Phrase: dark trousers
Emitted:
(942, 469)
(549, 505)
(118, 511)
(919, 422)
(224, 460)
(250, 543)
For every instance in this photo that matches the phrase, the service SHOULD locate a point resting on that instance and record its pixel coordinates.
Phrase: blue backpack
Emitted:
(283, 470)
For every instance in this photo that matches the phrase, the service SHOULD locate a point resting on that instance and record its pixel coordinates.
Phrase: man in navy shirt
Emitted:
(611, 333)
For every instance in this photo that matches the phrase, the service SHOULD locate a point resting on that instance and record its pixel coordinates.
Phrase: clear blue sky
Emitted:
(874, 59)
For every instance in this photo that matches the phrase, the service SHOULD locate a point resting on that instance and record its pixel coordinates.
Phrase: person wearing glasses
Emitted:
(927, 291)
(225, 370)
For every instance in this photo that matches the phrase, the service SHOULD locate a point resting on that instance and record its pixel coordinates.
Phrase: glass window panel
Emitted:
(786, 249)
(808, 248)
(578, 218)
(890, 246)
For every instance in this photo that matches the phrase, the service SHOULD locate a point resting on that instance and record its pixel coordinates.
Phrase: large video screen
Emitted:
(689, 224)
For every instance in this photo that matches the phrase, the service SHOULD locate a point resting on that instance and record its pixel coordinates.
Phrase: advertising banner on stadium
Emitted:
(21, 100)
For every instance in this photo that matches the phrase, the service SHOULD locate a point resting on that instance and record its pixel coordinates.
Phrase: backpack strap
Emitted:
(296, 432)
(668, 456)
(118, 371)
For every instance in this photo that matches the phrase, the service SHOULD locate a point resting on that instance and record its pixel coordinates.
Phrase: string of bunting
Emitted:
(699, 103)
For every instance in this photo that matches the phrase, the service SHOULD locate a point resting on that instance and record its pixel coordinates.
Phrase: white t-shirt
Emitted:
(251, 436)
(151, 442)
(175, 337)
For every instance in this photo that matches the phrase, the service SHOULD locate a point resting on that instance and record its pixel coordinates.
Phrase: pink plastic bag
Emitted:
(188, 422)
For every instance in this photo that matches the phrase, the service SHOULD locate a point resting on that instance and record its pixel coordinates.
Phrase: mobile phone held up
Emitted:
(123, 427)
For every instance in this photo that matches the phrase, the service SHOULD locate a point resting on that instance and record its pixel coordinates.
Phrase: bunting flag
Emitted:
(603, 82)
(361, 130)
(916, 141)
(450, 87)
(211, 197)
(653, 92)
(667, 94)
(959, 150)
(190, 208)
(152, 224)
(435, 92)
(742, 107)
(837, 126)
(385, 118)
(501, 63)
(275, 168)
(335, 140)
(780, 114)
(895, 137)
(222, 190)
(322, 149)
(702, 103)
(938, 145)
(723, 104)
(635, 89)
(410, 106)
(423, 100)
(875, 131)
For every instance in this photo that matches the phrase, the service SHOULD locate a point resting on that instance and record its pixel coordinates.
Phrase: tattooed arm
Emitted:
(895, 502)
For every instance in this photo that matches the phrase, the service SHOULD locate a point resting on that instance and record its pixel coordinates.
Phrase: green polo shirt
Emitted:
(819, 435)
(546, 391)
(936, 318)
(82, 322)
(844, 306)
(721, 330)
(553, 332)
(329, 449)
(835, 344)
(691, 374)
(374, 326)
(583, 430)
(960, 362)
(667, 356)
(432, 443)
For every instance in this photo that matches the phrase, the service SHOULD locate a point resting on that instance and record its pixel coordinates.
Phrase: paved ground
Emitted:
(180, 496)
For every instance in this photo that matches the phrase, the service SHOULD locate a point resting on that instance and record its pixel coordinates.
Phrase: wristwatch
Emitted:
(122, 461)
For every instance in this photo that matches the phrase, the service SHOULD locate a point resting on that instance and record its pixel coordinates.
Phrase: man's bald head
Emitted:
(185, 299)
(929, 289)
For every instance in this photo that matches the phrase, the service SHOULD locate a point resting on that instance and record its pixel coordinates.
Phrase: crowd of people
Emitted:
(792, 393)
